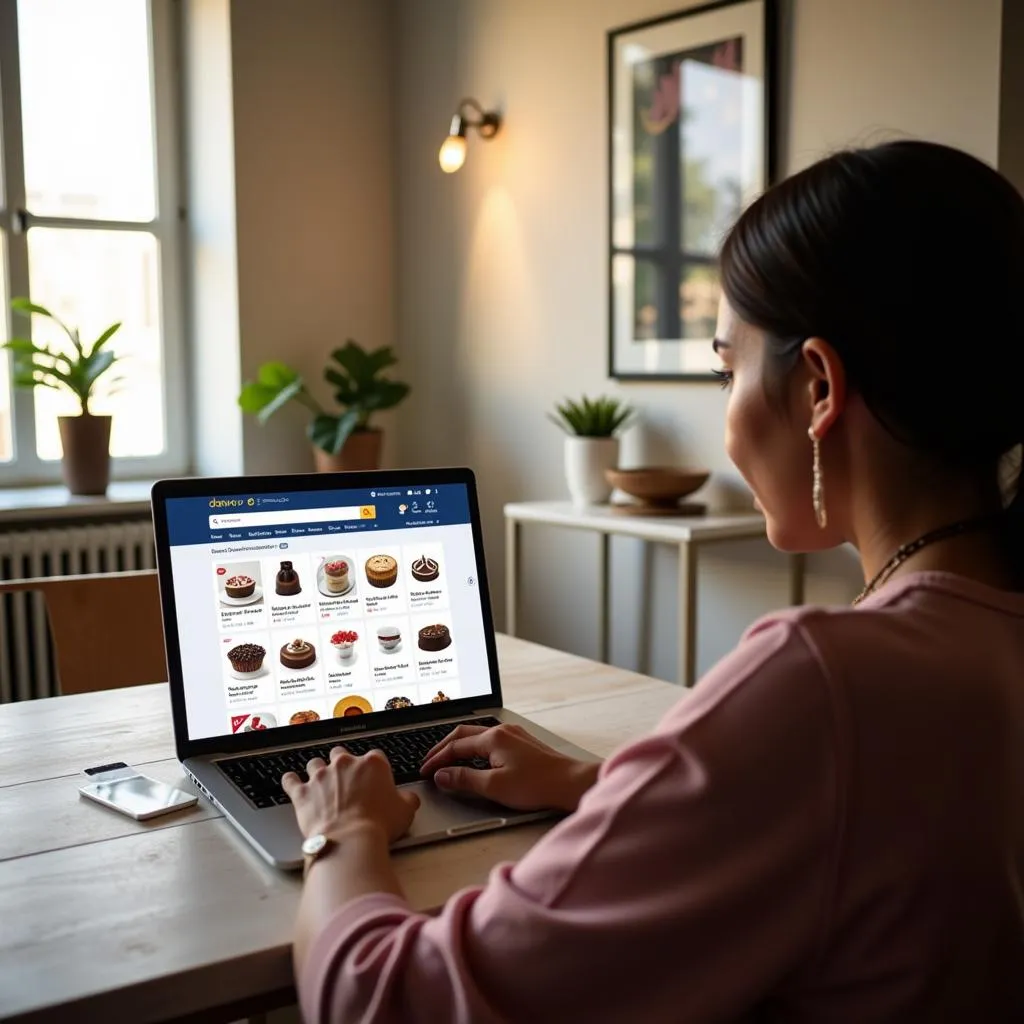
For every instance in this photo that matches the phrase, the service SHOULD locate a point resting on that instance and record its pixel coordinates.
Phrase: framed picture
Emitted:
(689, 146)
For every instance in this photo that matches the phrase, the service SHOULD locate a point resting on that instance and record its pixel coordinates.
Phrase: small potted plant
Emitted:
(343, 440)
(78, 368)
(591, 446)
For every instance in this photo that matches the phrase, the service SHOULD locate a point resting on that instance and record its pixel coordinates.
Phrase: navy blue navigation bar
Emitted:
(281, 516)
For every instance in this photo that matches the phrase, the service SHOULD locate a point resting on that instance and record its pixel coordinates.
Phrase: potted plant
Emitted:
(344, 440)
(78, 367)
(591, 446)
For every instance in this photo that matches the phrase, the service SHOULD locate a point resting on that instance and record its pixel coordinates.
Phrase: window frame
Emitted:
(167, 228)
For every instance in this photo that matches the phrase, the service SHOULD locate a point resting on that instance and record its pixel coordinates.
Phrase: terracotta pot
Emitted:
(360, 452)
(85, 441)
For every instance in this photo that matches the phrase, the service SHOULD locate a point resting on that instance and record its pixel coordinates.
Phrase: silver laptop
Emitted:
(305, 611)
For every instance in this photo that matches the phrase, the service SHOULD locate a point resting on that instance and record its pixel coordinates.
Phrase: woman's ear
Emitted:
(826, 384)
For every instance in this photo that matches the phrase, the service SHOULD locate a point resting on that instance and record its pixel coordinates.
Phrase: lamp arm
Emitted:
(486, 122)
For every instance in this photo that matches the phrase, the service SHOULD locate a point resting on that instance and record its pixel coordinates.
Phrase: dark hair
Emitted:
(908, 258)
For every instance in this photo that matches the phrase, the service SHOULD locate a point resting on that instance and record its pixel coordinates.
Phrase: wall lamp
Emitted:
(470, 115)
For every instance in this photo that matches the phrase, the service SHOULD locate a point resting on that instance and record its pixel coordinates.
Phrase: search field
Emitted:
(251, 520)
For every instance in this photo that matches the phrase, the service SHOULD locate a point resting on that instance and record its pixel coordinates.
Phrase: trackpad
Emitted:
(443, 815)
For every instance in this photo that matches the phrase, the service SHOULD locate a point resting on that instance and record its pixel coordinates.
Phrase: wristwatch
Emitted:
(312, 847)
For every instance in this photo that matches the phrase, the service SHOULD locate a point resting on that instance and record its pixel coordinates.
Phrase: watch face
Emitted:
(313, 845)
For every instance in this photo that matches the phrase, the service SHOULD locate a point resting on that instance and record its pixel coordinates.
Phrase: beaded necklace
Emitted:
(912, 547)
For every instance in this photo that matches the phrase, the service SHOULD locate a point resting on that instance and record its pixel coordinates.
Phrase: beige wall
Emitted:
(312, 236)
(501, 268)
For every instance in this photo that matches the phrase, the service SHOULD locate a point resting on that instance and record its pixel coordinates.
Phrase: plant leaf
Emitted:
(26, 307)
(105, 337)
(276, 375)
(264, 400)
(331, 432)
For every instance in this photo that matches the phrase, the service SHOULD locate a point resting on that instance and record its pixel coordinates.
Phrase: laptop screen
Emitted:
(307, 605)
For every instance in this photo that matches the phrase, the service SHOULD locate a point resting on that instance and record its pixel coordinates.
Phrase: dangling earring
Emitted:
(818, 488)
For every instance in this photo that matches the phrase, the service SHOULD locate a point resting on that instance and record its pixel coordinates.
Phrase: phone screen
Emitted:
(139, 796)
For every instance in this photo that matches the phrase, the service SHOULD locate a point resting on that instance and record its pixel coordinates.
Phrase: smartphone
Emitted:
(123, 789)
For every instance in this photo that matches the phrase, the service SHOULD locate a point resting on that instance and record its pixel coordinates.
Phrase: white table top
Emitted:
(668, 529)
(103, 918)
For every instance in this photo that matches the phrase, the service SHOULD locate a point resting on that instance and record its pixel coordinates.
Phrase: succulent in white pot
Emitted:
(591, 444)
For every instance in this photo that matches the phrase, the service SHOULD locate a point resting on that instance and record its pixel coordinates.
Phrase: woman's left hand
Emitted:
(349, 791)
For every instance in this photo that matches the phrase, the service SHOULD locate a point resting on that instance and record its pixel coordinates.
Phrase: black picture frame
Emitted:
(662, 266)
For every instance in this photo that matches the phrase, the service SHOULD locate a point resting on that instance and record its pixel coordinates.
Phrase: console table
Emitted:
(688, 533)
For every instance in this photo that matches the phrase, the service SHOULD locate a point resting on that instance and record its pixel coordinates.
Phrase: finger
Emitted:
(478, 744)
(289, 782)
(338, 752)
(457, 733)
(409, 797)
(465, 780)
(313, 764)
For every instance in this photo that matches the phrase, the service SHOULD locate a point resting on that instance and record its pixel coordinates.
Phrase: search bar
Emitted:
(250, 520)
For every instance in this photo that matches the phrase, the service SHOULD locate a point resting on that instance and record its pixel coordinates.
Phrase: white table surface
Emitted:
(666, 529)
(103, 918)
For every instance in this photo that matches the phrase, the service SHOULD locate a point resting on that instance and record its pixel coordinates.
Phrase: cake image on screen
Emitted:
(381, 571)
(349, 706)
(434, 638)
(440, 698)
(298, 654)
(247, 657)
(397, 702)
(336, 576)
(389, 637)
(288, 581)
(425, 570)
(239, 586)
(302, 717)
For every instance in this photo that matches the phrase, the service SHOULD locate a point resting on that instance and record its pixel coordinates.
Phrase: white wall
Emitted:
(308, 210)
(501, 268)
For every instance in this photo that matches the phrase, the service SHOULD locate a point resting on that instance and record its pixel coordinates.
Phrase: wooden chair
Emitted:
(107, 629)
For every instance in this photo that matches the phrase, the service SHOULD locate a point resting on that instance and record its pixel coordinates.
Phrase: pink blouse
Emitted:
(829, 828)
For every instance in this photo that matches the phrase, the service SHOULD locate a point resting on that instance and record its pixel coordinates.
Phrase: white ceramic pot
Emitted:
(586, 459)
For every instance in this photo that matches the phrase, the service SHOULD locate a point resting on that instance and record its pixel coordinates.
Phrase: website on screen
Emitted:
(293, 608)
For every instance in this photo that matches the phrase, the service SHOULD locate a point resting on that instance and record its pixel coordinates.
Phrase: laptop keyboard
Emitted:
(259, 776)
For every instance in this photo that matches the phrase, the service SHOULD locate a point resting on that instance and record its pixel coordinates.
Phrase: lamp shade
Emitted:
(452, 154)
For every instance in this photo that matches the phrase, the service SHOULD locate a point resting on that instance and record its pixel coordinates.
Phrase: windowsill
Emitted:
(30, 504)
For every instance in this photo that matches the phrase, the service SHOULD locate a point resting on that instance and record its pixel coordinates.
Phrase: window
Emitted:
(89, 222)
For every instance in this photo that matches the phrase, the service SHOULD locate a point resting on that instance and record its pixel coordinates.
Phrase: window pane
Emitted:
(86, 97)
(698, 301)
(6, 429)
(90, 279)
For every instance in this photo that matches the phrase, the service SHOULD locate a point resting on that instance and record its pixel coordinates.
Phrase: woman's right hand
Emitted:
(525, 774)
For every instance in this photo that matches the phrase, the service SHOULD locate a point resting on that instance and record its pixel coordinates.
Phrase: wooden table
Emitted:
(103, 918)
(687, 533)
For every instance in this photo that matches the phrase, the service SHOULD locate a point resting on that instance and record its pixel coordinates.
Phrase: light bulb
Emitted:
(452, 154)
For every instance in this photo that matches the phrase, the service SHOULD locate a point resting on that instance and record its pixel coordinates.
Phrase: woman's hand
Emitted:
(350, 791)
(525, 774)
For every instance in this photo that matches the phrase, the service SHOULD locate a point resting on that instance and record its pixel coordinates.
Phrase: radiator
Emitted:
(27, 666)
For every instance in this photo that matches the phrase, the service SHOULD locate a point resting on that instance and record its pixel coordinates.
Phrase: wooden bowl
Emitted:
(657, 485)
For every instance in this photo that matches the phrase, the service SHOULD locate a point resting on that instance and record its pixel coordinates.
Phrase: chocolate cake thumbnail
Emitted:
(288, 582)
(434, 638)
(239, 586)
(425, 570)
(298, 654)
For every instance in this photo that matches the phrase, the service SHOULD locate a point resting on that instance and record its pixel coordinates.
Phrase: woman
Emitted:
(831, 826)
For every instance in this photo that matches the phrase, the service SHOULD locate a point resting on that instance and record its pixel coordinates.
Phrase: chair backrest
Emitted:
(107, 628)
